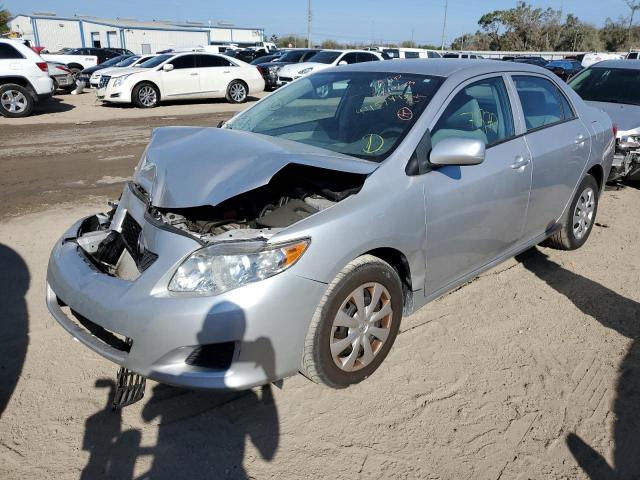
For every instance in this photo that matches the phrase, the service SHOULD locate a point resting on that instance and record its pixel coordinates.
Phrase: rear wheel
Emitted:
(15, 101)
(237, 92)
(145, 95)
(355, 324)
(579, 218)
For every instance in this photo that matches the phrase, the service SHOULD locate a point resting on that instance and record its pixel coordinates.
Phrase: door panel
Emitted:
(215, 74)
(559, 154)
(183, 80)
(475, 213)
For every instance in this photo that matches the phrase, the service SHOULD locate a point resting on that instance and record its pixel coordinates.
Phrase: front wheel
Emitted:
(355, 324)
(15, 101)
(578, 220)
(237, 92)
(145, 95)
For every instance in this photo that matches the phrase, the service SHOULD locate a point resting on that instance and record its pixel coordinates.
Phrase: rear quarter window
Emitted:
(8, 52)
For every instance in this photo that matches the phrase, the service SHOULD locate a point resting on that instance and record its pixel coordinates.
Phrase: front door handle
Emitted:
(193, 74)
(227, 71)
(520, 163)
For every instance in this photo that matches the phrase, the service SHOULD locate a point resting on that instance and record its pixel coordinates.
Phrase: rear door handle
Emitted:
(520, 163)
(227, 71)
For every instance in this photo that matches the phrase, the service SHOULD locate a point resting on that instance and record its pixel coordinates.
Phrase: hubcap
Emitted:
(147, 96)
(361, 327)
(583, 213)
(238, 92)
(13, 101)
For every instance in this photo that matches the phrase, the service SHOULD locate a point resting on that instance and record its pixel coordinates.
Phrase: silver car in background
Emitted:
(296, 237)
(614, 87)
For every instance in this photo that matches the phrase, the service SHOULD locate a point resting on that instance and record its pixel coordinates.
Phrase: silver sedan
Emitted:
(296, 237)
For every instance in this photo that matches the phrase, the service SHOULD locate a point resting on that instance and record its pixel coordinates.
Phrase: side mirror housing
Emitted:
(167, 67)
(458, 151)
(342, 62)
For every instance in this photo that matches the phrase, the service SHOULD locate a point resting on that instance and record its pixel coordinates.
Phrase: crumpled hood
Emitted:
(626, 117)
(194, 166)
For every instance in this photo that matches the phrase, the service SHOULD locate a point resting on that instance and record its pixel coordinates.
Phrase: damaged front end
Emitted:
(626, 161)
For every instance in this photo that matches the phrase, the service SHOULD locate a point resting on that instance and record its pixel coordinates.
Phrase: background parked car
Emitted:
(473, 56)
(614, 86)
(181, 76)
(400, 53)
(61, 76)
(633, 55)
(530, 60)
(565, 69)
(325, 59)
(86, 73)
(595, 57)
(24, 79)
(129, 61)
(270, 69)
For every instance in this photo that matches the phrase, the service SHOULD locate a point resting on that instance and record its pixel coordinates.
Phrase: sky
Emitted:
(344, 20)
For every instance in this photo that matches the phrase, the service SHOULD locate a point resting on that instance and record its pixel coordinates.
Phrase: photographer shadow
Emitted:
(621, 314)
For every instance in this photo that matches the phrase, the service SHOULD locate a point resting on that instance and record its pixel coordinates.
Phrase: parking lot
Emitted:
(522, 373)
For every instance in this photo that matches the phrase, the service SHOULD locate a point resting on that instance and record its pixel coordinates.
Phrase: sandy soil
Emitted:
(531, 371)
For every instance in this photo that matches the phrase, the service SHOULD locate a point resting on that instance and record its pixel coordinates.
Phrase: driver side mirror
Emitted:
(167, 67)
(342, 62)
(458, 151)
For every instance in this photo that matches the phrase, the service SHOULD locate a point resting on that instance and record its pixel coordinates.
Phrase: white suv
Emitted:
(181, 76)
(24, 79)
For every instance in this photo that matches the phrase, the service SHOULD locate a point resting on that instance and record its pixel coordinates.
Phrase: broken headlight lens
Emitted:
(212, 271)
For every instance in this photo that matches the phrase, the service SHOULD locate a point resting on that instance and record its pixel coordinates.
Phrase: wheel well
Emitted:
(399, 262)
(150, 83)
(23, 82)
(75, 65)
(241, 81)
(598, 173)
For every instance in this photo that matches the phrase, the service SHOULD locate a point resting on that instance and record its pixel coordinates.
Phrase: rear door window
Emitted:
(350, 58)
(542, 102)
(211, 61)
(366, 57)
(8, 52)
(186, 61)
(481, 110)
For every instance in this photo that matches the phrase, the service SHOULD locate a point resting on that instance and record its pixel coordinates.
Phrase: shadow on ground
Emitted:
(52, 105)
(621, 314)
(14, 321)
(200, 434)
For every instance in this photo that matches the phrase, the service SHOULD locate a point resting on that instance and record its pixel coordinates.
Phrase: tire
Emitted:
(15, 101)
(320, 362)
(579, 218)
(75, 71)
(145, 95)
(237, 92)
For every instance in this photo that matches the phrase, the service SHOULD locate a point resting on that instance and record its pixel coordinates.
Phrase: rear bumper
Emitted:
(267, 321)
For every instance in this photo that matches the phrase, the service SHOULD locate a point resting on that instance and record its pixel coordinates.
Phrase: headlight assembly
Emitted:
(120, 80)
(304, 71)
(219, 268)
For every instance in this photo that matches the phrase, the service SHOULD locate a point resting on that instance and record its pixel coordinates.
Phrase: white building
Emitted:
(54, 33)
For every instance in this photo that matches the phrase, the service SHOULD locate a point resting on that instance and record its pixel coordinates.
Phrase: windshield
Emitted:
(325, 57)
(363, 114)
(611, 85)
(293, 56)
(127, 61)
(155, 61)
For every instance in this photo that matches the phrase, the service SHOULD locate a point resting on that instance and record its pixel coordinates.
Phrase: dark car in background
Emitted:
(565, 69)
(250, 54)
(85, 74)
(531, 60)
(269, 69)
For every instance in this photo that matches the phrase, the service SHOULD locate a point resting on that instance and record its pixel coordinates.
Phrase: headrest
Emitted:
(463, 114)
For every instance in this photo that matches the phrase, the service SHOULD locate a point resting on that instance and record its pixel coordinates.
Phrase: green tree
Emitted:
(4, 18)
(408, 44)
(293, 40)
(330, 44)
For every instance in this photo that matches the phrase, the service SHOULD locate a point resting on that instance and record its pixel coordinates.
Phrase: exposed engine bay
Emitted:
(294, 193)
(626, 161)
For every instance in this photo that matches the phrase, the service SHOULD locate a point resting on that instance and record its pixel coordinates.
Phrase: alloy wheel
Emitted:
(13, 101)
(238, 92)
(147, 96)
(361, 327)
(583, 213)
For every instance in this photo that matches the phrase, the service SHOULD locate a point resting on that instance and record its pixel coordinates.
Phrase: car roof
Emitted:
(626, 64)
(444, 67)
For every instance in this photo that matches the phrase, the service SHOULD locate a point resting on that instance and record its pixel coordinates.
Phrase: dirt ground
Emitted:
(530, 371)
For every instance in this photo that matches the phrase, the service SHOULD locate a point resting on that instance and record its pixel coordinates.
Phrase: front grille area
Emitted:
(130, 233)
(104, 81)
(216, 356)
(114, 340)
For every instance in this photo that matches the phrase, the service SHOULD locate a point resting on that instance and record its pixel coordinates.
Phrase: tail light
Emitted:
(614, 129)
(63, 68)
(43, 66)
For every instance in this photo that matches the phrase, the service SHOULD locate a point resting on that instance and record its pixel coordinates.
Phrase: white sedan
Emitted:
(181, 76)
(325, 59)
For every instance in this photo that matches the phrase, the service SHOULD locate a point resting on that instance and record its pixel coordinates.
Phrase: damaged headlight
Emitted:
(217, 269)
